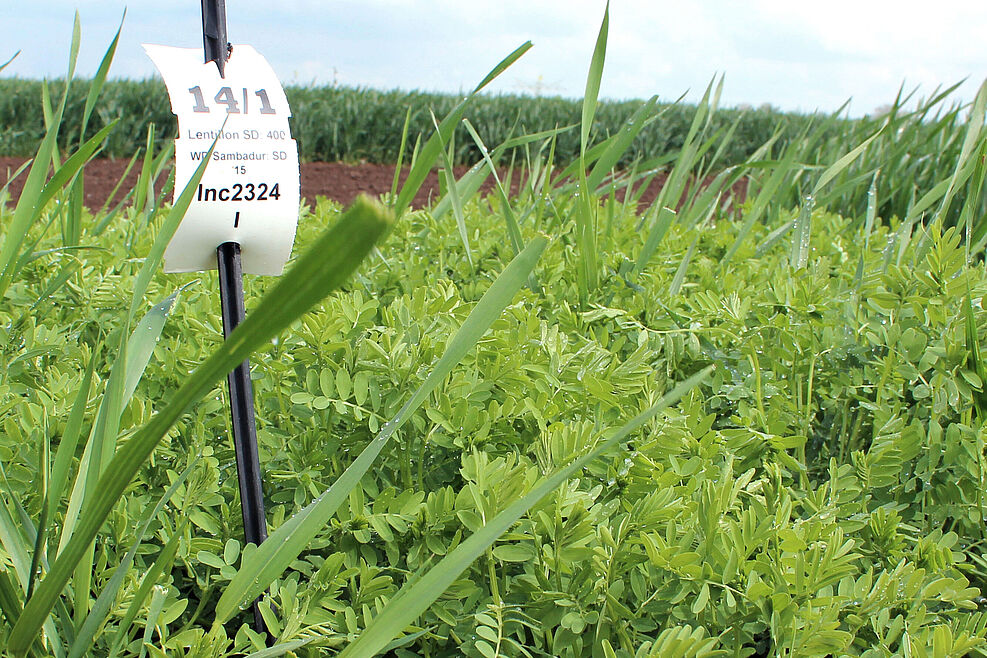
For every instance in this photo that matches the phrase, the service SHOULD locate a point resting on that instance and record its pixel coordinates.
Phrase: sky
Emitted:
(800, 56)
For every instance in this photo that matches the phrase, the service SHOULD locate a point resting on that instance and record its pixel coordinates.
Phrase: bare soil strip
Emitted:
(334, 180)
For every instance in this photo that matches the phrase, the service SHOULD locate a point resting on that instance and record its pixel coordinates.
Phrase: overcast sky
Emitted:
(793, 55)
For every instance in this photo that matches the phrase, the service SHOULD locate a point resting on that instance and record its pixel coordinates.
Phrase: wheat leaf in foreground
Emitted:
(273, 556)
(321, 269)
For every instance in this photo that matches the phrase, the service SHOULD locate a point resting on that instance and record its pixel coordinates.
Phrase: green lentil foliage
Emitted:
(821, 493)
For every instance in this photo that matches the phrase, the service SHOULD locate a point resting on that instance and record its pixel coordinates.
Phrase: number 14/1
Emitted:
(226, 97)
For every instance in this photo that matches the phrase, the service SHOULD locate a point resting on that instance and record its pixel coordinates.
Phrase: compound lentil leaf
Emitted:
(84, 638)
(274, 555)
(413, 600)
(163, 563)
(322, 269)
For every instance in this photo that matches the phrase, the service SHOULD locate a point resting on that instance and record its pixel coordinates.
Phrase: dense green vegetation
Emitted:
(557, 424)
(352, 124)
(344, 124)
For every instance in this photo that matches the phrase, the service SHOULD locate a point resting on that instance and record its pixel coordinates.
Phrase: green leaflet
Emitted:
(84, 638)
(328, 263)
(274, 555)
(412, 600)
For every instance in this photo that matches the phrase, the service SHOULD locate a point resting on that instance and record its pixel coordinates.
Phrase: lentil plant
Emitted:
(559, 423)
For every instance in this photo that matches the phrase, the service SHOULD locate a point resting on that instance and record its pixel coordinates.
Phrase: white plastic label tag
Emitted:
(249, 193)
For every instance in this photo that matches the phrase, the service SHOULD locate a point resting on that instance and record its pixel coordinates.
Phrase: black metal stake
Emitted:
(214, 39)
(216, 49)
(242, 408)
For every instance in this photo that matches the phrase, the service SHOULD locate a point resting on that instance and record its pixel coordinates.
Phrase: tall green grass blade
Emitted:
(592, 93)
(412, 600)
(672, 191)
(144, 189)
(592, 154)
(329, 262)
(585, 210)
(159, 597)
(16, 538)
(400, 162)
(70, 438)
(12, 58)
(924, 202)
(431, 151)
(869, 220)
(73, 229)
(72, 166)
(774, 237)
(974, 357)
(10, 605)
(618, 144)
(14, 176)
(274, 555)
(469, 184)
(664, 217)
(41, 534)
(426, 159)
(46, 108)
(702, 115)
(871, 215)
(72, 220)
(73, 53)
(837, 167)
(466, 188)
(730, 132)
(586, 233)
(132, 360)
(974, 132)
(975, 232)
(96, 85)
(26, 210)
(709, 199)
(900, 239)
(503, 65)
(510, 219)
(116, 188)
(779, 173)
(937, 220)
(103, 435)
(453, 192)
(14, 543)
(142, 342)
(802, 235)
(683, 267)
(27, 213)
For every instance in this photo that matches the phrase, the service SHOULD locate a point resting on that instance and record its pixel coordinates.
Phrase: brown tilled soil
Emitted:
(334, 180)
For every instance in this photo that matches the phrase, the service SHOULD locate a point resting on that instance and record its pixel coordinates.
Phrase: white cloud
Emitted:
(793, 55)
